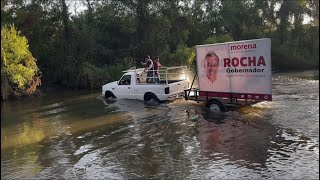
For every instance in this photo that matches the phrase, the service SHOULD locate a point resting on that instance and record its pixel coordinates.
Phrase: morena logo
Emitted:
(243, 46)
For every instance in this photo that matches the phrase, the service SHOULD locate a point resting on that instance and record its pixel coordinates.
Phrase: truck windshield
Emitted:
(125, 80)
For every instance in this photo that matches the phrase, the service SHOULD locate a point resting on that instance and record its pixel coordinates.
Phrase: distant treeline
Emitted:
(91, 47)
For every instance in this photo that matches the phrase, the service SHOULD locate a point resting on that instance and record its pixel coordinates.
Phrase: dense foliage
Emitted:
(19, 72)
(84, 49)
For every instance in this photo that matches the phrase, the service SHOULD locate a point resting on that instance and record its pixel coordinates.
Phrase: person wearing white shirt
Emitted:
(149, 69)
(210, 81)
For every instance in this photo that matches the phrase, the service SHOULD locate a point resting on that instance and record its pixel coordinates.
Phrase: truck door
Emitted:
(124, 89)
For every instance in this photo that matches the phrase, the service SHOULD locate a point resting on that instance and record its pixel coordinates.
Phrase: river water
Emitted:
(77, 135)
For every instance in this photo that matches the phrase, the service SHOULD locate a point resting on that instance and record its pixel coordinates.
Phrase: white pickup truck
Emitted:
(133, 85)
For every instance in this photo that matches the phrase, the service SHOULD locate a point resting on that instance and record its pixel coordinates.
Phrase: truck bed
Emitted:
(162, 82)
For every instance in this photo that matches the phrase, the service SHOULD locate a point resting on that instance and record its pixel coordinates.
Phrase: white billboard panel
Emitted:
(242, 68)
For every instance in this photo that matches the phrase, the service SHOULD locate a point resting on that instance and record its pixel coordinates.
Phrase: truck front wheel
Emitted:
(109, 94)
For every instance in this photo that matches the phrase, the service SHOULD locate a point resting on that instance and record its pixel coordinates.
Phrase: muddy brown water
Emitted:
(78, 135)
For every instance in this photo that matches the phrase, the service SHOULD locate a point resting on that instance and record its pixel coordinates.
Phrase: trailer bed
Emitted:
(228, 103)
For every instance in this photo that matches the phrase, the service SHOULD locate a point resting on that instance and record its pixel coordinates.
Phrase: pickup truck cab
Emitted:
(133, 85)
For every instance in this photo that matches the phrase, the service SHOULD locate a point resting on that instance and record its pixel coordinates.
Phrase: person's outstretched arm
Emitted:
(150, 66)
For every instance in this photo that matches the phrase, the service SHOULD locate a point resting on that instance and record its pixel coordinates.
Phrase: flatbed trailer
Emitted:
(232, 74)
(218, 104)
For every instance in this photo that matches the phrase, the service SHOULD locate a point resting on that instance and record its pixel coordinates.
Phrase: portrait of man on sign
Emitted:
(211, 65)
(211, 76)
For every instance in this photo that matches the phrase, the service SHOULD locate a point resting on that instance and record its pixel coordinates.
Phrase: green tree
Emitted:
(19, 72)
(92, 45)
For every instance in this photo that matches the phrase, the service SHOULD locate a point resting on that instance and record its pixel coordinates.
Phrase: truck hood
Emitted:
(113, 83)
(109, 85)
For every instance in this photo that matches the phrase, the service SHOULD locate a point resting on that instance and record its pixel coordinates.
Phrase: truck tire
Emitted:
(109, 94)
(215, 106)
(150, 97)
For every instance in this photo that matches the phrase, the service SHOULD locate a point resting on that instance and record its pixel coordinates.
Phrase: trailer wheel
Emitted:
(215, 106)
(150, 97)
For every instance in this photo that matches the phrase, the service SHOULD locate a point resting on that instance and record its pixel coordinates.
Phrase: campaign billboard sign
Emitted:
(240, 69)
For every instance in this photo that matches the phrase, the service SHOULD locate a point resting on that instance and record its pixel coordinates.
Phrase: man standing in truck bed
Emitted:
(156, 67)
(149, 68)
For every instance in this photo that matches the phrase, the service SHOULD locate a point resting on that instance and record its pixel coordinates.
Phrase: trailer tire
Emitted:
(215, 106)
(150, 97)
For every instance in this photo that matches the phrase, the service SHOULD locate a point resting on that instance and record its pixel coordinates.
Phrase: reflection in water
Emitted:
(235, 140)
(81, 136)
(44, 127)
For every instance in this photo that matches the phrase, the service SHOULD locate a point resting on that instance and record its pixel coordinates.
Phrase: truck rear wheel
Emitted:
(150, 97)
(215, 106)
